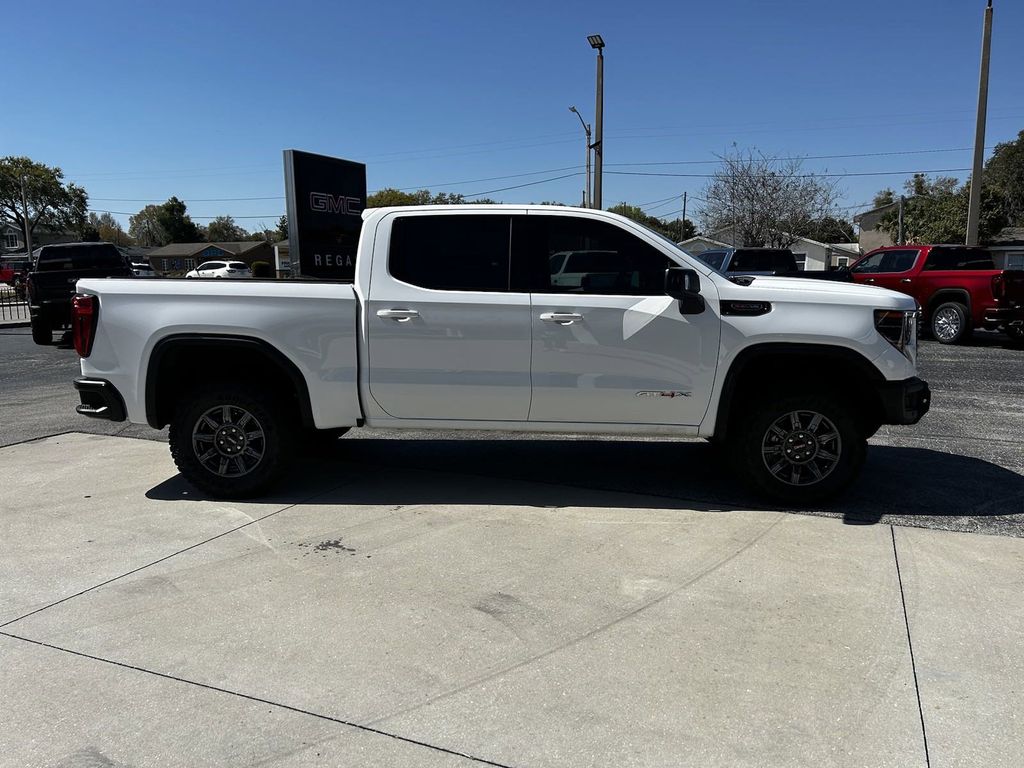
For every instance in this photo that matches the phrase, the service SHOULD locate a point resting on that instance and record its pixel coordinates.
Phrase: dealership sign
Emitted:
(326, 197)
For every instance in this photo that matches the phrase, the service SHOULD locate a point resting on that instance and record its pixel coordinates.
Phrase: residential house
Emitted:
(14, 238)
(811, 255)
(871, 235)
(181, 257)
(1008, 248)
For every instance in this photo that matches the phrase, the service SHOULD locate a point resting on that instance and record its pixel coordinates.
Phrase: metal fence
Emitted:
(12, 306)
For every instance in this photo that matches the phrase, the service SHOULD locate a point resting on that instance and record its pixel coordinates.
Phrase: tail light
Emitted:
(999, 287)
(84, 314)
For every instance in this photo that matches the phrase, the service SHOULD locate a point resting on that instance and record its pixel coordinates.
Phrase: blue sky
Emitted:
(139, 101)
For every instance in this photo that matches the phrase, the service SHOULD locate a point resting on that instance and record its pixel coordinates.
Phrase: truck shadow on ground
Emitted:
(897, 482)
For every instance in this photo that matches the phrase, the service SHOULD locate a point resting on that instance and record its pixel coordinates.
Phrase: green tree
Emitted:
(282, 228)
(884, 197)
(223, 229)
(163, 224)
(176, 222)
(390, 196)
(936, 212)
(51, 202)
(145, 227)
(677, 230)
(108, 229)
(1004, 173)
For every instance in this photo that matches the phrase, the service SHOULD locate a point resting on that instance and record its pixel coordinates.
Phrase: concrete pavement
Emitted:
(370, 616)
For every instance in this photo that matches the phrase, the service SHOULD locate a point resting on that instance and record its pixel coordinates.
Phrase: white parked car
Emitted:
(142, 269)
(221, 269)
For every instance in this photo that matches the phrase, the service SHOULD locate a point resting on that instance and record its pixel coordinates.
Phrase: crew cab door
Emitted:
(890, 269)
(612, 348)
(446, 336)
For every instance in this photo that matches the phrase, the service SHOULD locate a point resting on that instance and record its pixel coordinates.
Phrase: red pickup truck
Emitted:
(958, 287)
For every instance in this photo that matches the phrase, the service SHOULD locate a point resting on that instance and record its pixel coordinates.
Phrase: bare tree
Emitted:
(767, 201)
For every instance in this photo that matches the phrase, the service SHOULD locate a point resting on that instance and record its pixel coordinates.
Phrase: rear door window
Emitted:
(85, 256)
(237, 265)
(451, 252)
(945, 257)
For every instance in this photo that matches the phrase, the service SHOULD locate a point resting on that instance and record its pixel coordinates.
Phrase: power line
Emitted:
(803, 157)
(794, 176)
(187, 200)
(127, 213)
(520, 186)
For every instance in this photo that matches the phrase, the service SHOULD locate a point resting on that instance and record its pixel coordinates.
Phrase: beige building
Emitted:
(871, 236)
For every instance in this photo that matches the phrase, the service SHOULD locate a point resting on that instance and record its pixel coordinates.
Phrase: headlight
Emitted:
(899, 327)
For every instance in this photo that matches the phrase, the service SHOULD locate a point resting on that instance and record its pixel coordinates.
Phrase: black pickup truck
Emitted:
(54, 272)
(777, 262)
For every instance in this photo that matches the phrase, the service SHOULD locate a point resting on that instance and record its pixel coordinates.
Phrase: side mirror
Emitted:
(684, 284)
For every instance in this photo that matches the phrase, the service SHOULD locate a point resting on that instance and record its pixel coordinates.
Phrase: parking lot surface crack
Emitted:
(189, 548)
(259, 700)
(910, 645)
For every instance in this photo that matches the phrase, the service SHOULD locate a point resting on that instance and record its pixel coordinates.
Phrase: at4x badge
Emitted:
(667, 393)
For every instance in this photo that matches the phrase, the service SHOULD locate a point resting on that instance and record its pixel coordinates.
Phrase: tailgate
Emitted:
(1011, 291)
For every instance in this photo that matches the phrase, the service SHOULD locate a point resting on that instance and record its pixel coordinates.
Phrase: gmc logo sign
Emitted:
(324, 202)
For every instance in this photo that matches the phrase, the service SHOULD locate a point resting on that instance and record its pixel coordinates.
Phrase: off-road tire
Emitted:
(950, 323)
(764, 453)
(269, 432)
(42, 331)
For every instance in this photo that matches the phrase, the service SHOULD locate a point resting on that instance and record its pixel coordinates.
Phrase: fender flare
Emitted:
(221, 341)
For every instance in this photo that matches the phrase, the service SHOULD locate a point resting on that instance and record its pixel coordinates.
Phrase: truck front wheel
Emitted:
(231, 442)
(799, 449)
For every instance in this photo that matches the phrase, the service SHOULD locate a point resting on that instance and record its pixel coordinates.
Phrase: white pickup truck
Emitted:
(458, 319)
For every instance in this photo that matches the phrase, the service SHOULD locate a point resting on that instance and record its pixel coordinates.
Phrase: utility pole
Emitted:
(597, 42)
(900, 240)
(974, 206)
(28, 223)
(682, 229)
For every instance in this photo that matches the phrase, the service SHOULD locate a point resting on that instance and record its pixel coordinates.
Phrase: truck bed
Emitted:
(314, 324)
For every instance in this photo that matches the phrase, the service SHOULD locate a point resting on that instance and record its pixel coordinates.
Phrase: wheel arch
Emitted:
(958, 295)
(225, 356)
(777, 368)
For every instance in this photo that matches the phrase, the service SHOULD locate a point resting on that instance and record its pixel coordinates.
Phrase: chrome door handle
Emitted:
(398, 315)
(905, 280)
(562, 318)
(870, 280)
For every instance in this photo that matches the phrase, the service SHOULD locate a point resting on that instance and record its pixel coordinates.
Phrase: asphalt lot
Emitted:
(417, 599)
(961, 468)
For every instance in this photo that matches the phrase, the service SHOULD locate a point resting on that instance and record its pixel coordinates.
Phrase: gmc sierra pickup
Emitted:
(958, 287)
(460, 317)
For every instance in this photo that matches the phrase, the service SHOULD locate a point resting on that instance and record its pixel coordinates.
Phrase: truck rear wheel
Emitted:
(232, 442)
(799, 449)
(42, 332)
(950, 323)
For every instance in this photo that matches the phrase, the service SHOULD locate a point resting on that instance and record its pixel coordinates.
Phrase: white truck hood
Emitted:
(797, 290)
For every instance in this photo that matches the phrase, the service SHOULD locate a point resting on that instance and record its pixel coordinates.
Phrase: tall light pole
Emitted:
(974, 204)
(586, 129)
(597, 43)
